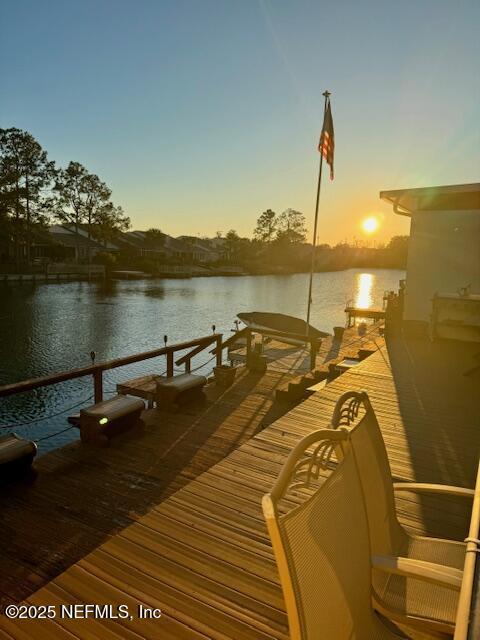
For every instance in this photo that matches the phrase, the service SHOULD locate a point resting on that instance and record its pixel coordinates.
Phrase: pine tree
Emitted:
(291, 227)
(266, 226)
(26, 176)
(81, 197)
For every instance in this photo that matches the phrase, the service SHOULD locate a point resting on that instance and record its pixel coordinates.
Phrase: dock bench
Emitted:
(179, 389)
(103, 420)
(16, 455)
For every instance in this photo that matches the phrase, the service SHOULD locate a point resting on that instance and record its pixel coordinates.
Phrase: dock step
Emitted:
(294, 390)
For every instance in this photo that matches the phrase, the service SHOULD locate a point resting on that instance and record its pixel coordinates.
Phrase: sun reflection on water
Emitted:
(363, 294)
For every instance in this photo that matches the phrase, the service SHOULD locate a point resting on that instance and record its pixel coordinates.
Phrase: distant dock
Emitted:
(373, 313)
(54, 273)
(130, 275)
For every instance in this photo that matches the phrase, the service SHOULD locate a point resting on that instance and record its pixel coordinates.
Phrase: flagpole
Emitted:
(326, 95)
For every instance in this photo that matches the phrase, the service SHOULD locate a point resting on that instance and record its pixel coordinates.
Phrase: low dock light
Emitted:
(103, 421)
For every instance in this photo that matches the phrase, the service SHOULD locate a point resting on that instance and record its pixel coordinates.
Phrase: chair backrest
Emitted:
(355, 412)
(320, 540)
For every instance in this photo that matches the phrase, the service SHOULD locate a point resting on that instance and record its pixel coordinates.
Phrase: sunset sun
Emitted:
(370, 225)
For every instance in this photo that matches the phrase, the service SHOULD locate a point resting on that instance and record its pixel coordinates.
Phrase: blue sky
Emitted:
(201, 114)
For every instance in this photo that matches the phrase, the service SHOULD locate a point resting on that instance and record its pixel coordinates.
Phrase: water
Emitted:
(49, 328)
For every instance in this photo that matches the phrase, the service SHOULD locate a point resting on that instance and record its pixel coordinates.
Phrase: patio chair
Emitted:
(320, 540)
(418, 603)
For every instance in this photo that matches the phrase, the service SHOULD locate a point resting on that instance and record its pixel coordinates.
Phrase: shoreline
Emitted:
(126, 274)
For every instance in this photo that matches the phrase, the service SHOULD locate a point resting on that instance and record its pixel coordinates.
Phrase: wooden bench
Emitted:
(179, 389)
(105, 419)
(16, 455)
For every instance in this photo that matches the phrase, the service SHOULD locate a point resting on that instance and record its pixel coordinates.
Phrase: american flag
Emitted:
(326, 146)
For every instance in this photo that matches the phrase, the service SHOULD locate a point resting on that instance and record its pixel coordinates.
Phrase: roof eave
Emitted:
(408, 201)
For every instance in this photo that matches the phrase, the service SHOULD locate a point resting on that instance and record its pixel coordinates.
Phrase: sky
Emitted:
(201, 114)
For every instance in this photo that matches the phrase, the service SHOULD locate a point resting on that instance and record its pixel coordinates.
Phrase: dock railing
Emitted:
(96, 370)
(248, 332)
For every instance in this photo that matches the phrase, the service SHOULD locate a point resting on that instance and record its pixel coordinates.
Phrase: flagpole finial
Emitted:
(327, 94)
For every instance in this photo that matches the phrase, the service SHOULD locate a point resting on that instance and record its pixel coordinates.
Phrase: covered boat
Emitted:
(280, 322)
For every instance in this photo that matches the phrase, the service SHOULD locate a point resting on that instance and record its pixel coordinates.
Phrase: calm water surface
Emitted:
(52, 327)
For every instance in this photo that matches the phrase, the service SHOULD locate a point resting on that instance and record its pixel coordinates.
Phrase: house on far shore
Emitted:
(65, 244)
(100, 245)
(161, 247)
(206, 250)
(442, 288)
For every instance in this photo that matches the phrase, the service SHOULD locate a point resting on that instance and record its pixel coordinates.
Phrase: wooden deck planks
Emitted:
(62, 516)
(203, 555)
(83, 495)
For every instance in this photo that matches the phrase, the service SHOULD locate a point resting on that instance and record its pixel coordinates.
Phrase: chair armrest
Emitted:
(427, 571)
(441, 489)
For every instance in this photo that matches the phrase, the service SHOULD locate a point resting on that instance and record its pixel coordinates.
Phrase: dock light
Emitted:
(103, 421)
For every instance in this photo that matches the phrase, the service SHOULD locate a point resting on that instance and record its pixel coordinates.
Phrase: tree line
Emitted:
(279, 245)
(35, 192)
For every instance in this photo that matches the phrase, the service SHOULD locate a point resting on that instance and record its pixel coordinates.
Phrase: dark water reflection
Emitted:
(52, 327)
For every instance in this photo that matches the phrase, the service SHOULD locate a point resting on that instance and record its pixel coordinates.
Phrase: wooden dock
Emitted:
(51, 524)
(173, 520)
(372, 313)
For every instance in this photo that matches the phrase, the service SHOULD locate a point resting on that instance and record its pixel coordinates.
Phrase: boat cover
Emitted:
(279, 322)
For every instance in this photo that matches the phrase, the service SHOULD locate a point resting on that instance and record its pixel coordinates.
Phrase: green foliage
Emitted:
(146, 264)
(105, 258)
(32, 191)
(79, 195)
(6, 231)
(398, 250)
(291, 227)
(154, 238)
(266, 226)
(109, 222)
(238, 249)
(26, 175)
(82, 198)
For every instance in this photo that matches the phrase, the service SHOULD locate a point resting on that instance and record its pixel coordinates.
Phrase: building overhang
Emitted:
(454, 197)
